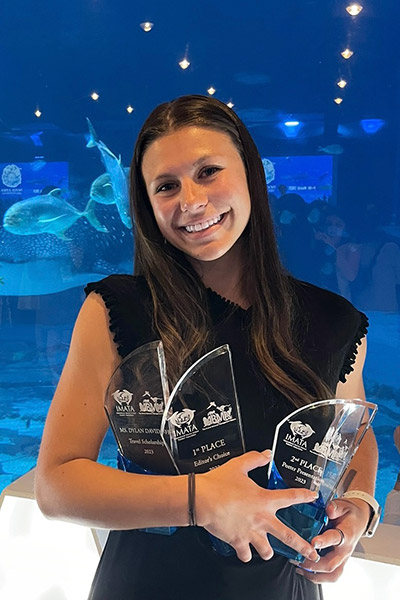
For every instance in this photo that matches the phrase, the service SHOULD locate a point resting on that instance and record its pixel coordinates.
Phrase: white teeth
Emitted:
(205, 225)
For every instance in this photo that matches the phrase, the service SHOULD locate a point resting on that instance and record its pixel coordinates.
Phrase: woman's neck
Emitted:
(225, 276)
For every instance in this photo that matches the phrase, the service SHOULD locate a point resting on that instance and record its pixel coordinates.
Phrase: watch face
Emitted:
(373, 524)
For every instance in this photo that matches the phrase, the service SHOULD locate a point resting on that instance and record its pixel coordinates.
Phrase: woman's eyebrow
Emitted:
(195, 164)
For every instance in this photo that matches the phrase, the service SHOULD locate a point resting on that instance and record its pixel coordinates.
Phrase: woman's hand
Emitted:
(238, 511)
(348, 516)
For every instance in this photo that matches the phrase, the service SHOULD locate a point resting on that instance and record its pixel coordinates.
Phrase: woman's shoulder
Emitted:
(127, 299)
(321, 299)
(329, 329)
(328, 313)
(118, 284)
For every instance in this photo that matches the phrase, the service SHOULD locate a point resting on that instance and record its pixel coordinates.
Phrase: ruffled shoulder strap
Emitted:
(330, 329)
(129, 305)
(351, 355)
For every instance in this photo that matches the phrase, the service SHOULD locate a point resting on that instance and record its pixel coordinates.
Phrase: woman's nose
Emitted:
(193, 197)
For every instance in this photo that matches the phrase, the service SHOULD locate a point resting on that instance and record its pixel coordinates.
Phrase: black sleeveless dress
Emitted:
(144, 566)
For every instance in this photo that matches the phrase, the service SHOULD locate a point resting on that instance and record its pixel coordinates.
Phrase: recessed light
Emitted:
(184, 63)
(354, 9)
(147, 26)
(347, 53)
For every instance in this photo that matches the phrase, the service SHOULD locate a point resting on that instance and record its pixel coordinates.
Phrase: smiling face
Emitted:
(197, 186)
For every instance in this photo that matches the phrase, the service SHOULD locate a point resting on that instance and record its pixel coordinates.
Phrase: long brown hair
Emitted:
(179, 297)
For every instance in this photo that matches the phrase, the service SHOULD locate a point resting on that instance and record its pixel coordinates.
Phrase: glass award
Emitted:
(312, 448)
(135, 403)
(201, 425)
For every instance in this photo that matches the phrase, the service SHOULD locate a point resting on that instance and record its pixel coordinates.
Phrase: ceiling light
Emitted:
(230, 104)
(291, 128)
(94, 96)
(184, 63)
(338, 100)
(147, 26)
(354, 9)
(341, 83)
(347, 53)
(130, 109)
(211, 91)
(38, 113)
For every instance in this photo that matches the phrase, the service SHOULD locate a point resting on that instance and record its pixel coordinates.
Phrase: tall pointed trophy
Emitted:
(201, 425)
(312, 448)
(135, 403)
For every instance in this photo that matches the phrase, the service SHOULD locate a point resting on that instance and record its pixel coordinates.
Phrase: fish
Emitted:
(47, 214)
(38, 164)
(331, 149)
(16, 135)
(35, 137)
(101, 190)
(117, 174)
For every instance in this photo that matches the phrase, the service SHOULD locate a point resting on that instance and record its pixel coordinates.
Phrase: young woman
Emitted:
(207, 273)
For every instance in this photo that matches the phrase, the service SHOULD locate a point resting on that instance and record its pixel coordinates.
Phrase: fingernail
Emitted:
(317, 559)
(299, 572)
(317, 545)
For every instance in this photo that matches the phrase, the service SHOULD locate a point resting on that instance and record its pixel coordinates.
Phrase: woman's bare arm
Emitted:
(70, 485)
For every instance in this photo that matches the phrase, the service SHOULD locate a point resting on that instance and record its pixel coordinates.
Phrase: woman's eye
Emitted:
(209, 171)
(165, 187)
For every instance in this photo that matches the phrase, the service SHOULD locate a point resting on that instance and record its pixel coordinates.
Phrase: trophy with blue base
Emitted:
(312, 448)
(134, 404)
(201, 425)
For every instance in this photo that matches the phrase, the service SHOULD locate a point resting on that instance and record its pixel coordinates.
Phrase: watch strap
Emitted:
(375, 509)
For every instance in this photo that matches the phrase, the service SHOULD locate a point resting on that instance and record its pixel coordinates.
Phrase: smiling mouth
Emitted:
(204, 224)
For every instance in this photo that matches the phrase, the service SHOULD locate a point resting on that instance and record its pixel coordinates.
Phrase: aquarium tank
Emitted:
(317, 86)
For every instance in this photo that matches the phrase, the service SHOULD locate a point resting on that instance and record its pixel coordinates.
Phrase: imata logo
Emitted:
(300, 432)
(123, 399)
(182, 421)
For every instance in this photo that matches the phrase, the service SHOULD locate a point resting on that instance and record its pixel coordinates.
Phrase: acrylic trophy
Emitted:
(312, 448)
(134, 403)
(201, 425)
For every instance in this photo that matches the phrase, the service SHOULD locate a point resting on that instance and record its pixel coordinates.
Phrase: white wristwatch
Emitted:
(375, 509)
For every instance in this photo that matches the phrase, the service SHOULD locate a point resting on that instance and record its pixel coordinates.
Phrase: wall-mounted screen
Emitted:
(312, 177)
